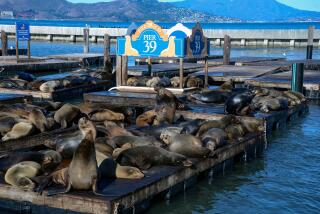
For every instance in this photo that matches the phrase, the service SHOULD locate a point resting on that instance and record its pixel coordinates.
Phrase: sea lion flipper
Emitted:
(60, 191)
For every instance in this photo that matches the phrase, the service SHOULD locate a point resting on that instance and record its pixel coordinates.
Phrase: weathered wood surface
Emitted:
(164, 69)
(237, 73)
(13, 98)
(32, 140)
(243, 60)
(172, 60)
(127, 194)
(61, 94)
(311, 80)
(286, 64)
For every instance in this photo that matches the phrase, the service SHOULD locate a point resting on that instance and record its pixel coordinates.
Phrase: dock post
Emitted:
(124, 70)
(86, 40)
(226, 50)
(297, 77)
(29, 47)
(181, 72)
(4, 41)
(310, 42)
(73, 38)
(17, 49)
(149, 65)
(119, 71)
(266, 42)
(206, 71)
(107, 63)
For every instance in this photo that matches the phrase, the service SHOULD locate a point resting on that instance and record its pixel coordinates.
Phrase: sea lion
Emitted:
(48, 159)
(19, 130)
(296, 97)
(20, 175)
(37, 118)
(237, 102)
(210, 96)
(144, 157)
(222, 123)
(48, 105)
(165, 106)
(194, 82)
(191, 127)
(268, 103)
(6, 124)
(137, 81)
(251, 125)
(186, 144)
(106, 114)
(75, 176)
(146, 119)
(175, 82)
(235, 132)
(50, 86)
(135, 141)
(214, 138)
(110, 169)
(35, 85)
(67, 143)
(227, 85)
(71, 81)
(154, 130)
(115, 130)
(66, 114)
(25, 76)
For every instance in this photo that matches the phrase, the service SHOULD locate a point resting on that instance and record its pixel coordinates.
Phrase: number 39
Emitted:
(150, 46)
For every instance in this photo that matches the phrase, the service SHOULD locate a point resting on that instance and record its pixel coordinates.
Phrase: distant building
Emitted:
(6, 14)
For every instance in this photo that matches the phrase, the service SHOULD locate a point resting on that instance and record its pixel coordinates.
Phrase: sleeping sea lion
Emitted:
(186, 144)
(235, 132)
(66, 114)
(37, 118)
(194, 82)
(50, 86)
(20, 175)
(135, 141)
(237, 102)
(214, 138)
(106, 114)
(222, 124)
(146, 119)
(19, 130)
(210, 96)
(114, 129)
(191, 127)
(6, 124)
(227, 85)
(25, 76)
(144, 157)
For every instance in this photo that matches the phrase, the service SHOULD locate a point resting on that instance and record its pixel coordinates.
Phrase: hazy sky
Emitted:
(301, 4)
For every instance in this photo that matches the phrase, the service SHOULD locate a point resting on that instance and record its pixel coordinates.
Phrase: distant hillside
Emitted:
(251, 10)
(120, 10)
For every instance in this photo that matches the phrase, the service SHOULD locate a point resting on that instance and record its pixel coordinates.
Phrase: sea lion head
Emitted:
(129, 172)
(86, 126)
(51, 159)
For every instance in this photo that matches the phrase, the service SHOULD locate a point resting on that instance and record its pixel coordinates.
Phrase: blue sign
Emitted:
(150, 40)
(22, 31)
(197, 45)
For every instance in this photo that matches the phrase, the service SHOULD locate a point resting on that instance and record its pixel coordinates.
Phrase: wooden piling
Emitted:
(181, 72)
(206, 71)
(310, 42)
(226, 50)
(124, 70)
(119, 70)
(107, 63)
(86, 40)
(4, 41)
(149, 65)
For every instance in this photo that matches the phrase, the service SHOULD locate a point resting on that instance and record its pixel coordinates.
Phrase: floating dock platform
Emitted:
(172, 60)
(311, 82)
(130, 196)
(245, 60)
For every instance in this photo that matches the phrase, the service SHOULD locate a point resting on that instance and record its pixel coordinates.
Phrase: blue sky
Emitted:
(300, 4)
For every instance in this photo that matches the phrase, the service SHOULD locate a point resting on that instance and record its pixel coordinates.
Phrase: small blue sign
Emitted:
(198, 45)
(22, 31)
(149, 40)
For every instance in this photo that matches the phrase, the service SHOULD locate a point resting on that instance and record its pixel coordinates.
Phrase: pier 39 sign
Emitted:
(150, 41)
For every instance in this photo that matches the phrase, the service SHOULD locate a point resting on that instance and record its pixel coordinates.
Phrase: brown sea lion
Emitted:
(37, 118)
(19, 130)
(227, 85)
(110, 169)
(135, 141)
(165, 106)
(66, 114)
(222, 123)
(194, 82)
(187, 145)
(144, 157)
(114, 129)
(214, 138)
(146, 119)
(19, 175)
(235, 132)
(106, 114)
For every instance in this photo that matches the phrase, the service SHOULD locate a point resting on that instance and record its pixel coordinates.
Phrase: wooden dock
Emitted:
(135, 196)
(312, 64)
(172, 60)
(164, 69)
(311, 82)
(55, 63)
(13, 98)
(61, 94)
(237, 73)
(244, 60)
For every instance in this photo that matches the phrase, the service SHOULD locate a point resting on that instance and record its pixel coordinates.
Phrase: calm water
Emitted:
(285, 180)
(239, 25)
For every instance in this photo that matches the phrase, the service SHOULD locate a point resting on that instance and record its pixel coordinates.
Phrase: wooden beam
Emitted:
(118, 70)
(4, 41)
(226, 50)
(86, 40)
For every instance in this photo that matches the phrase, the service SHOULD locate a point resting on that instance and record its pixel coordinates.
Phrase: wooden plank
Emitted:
(173, 60)
(245, 59)
(286, 64)
(61, 94)
(237, 73)
(283, 80)
(226, 50)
